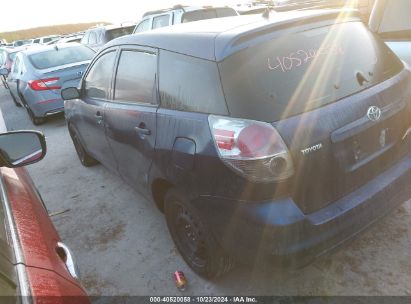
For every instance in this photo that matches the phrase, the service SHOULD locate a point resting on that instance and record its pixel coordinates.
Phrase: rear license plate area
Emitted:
(364, 147)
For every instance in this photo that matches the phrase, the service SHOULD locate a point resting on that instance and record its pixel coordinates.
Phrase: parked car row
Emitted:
(33, 41)
(38, 75)
(98, 36)
(180, 14)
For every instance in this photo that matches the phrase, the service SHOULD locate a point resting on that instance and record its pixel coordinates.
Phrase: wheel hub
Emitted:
(191, 237)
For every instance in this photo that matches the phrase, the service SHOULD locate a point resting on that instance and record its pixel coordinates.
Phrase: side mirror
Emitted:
(4, 71)
(21, 148)
(70, 93)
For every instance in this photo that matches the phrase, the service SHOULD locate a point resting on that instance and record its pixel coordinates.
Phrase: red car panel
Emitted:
(38, 238)
(50, 288)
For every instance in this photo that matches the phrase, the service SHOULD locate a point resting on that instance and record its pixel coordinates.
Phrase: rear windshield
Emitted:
(208, 14)
(60, 56)
(115, 33)
(299, 72)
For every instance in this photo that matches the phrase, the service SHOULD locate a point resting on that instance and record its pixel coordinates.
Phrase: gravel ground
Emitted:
(123, 247)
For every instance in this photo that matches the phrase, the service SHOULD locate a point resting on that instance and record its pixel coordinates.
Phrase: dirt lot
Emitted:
(123, 247)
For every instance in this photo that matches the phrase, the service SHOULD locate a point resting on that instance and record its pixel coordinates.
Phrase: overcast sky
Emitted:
(22, 14)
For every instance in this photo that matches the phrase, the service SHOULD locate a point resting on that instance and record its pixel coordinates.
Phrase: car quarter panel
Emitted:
(206, 175)
(49, 287)
(36, 233)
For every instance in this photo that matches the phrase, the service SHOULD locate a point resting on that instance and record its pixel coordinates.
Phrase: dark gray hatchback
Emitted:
(261, 139)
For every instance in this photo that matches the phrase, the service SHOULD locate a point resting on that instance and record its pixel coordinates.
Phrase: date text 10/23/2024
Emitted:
(203, 299)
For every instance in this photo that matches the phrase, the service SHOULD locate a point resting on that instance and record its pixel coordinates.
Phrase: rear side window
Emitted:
(143, 26)
(208, 14)
(135, 79)
(161, 21)
(303, 71)
(98, 80)
(199, 15)
(115, 33)
(190, 84)
(60, 56)
(225, 12)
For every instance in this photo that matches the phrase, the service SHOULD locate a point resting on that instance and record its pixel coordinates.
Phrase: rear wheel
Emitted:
(35, 120)
(193, 239)
(85, 159)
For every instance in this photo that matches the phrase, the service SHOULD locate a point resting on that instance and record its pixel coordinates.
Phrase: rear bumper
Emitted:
(47, 109)
(44, 103)
(278, 231)
(54, 111)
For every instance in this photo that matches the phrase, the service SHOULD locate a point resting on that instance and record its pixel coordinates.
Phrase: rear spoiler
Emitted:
(246, 38)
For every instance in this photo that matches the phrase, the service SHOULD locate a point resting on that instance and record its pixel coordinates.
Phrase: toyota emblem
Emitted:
(374, 113)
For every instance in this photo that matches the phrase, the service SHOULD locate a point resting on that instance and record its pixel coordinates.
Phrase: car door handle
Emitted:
(142, 131)
(65, 254)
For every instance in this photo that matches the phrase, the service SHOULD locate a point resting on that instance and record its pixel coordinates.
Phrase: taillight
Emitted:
(252, 148)
(44, 84)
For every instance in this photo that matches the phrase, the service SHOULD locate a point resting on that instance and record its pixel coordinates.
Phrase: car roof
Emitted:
(111, 27)
(183, 8)
(49, 36)
(7, 49)
(216, 39)
(16, 49)
(44, 48)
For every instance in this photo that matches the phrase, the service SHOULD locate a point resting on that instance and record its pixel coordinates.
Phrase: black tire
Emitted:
(193, 239)
(85, 159)
(34, 119)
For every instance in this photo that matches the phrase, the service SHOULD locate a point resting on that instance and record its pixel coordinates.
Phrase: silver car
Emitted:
(38, 74)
